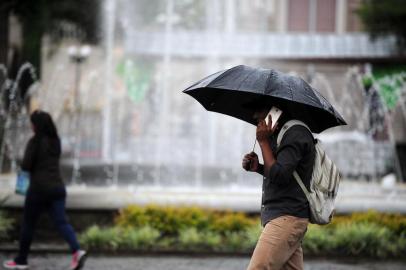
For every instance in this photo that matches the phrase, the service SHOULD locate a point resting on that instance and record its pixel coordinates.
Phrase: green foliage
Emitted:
(367, 81)
(363, 239)
(401, 244)
(42, 17)
(370, 234)
(230, 222)
(360, 234)
(252, 234)
(5, 225)
(317, 239)
(137, 77)
(102, 238)
(171, 220)
(394, 222)
(234, 241)
(48, 16)
(168, 220)
(382, 18)
(115, 238)
(190, 238)
(144, 238)
(212, 240)
(388, 84)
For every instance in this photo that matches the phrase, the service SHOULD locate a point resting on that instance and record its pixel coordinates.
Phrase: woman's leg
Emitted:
(57, 212)
(32, 210)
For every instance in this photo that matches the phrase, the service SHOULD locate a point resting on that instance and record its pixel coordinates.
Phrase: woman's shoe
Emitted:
(11, 264)
(78, 260)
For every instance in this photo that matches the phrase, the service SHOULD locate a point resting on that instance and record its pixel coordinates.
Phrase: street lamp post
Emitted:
(78, 55)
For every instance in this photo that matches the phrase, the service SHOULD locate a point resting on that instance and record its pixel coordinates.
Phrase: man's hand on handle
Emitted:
(250, 162)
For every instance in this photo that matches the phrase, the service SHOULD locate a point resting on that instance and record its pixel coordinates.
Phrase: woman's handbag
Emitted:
(23, 181)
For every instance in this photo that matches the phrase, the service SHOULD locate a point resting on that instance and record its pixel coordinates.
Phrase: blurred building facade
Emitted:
(161, 47)
(317, 39)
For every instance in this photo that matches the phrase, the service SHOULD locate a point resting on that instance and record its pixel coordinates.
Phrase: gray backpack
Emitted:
(324, 182)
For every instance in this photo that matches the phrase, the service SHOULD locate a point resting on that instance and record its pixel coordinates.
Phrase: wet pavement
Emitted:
(61, 261)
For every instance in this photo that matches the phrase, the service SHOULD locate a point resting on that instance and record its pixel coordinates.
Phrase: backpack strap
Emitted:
(302, 186)
(286, 127)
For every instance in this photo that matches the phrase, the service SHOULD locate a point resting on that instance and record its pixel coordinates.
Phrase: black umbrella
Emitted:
(240, 90)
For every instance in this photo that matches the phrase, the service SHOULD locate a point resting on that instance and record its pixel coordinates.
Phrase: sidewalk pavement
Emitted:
(353, 196)
(61, 261)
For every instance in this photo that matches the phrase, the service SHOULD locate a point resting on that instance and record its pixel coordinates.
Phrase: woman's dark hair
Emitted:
(43, 124)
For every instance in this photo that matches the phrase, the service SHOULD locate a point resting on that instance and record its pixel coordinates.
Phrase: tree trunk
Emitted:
(4, 24)
(31, 51)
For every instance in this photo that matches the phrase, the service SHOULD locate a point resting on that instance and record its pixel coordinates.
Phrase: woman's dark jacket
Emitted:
(41, 160)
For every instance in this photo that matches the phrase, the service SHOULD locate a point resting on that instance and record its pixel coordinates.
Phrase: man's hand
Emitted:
(250, 162)
(264, 131)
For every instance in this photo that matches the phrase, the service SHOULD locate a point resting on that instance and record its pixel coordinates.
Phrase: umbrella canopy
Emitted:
(241, 90)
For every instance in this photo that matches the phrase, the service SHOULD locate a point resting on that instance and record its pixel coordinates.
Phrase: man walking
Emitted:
(285, 210)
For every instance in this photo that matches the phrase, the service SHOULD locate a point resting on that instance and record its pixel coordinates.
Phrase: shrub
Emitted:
(5, 225)
(252, 233)
(213, 241)
(171, 220)
(363, 239)
(190, 238)
(194, 229)
(167, 243)
(394, 222)
(108, 238)
(401, 244)
(235, 241)
(231, 222)
(144, 238)
(132, 216)
(168, 220)
(317, 240)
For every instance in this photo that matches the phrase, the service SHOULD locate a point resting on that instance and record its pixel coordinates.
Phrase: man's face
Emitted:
(260, 114)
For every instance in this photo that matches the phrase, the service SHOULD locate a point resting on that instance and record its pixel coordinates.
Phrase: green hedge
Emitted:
(368, 234)
(172, 220)
(6, 224)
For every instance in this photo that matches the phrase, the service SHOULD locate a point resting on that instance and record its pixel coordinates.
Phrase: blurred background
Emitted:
(111, 74)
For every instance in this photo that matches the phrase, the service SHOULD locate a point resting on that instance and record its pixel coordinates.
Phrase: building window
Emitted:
(353, 21)
(298, 15)
(326, 15)
(311, 15)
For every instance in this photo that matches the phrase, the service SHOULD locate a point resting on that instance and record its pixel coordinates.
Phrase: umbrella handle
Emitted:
(253, 148)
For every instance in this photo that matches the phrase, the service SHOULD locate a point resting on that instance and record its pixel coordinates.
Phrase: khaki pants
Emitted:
(279, 246)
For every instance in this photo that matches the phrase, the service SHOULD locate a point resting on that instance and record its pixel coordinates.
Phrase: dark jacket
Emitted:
(281, 194)
(41, 160)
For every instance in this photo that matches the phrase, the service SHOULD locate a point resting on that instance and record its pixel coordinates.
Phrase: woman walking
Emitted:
(46, 191)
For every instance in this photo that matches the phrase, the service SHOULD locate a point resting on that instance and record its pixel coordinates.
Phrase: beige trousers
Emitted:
(279, 246)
